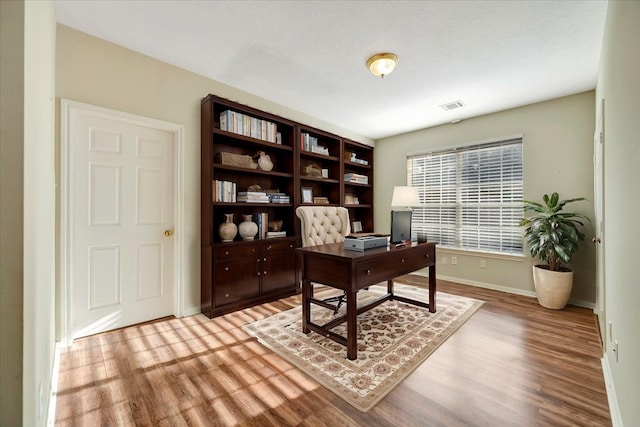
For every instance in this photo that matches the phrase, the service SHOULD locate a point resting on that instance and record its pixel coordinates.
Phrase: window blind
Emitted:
(471, 197)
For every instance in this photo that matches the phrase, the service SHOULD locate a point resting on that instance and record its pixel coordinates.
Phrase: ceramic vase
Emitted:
(228, 230)
(264, 161)
(248, 229)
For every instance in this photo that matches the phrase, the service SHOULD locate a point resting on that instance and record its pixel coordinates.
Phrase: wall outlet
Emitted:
(454, 260)
(444, 260)
(483, 263)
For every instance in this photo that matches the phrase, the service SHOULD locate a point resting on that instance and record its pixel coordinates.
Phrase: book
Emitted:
(262, 220)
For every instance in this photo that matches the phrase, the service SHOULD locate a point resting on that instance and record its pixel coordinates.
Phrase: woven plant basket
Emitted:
(553, 288)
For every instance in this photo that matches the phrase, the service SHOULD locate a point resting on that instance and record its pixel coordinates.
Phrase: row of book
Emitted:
(356, 178)
(262, 220)
(262, 197)
(224, 191)
(310, 143)
(242, 124)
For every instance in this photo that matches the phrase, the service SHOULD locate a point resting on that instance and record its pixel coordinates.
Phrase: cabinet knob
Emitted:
(264, 273)
(258, 273)
(368, 272)
(226, 269)
(226, 252)
(264, 259)
(427, 256)
(402, 259)
(291, 245)
(226, 295)
(269, 247)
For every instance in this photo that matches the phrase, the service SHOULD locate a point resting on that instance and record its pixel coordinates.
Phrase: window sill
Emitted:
(481, 254)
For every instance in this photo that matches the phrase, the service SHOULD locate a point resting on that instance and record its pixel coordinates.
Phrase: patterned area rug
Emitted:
(393, 340)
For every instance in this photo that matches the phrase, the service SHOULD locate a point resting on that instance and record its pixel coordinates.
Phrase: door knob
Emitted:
(168, 233)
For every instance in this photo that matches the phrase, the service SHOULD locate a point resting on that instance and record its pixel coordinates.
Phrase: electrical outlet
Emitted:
(444, 260)
(454, 260)
(483, 263)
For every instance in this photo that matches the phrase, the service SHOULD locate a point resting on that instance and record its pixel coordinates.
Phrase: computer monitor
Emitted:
(400, 226)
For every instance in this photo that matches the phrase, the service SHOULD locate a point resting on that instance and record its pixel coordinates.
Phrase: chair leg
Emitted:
(340, 299)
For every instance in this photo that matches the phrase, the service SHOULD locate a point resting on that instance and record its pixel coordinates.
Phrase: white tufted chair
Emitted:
(322, 225)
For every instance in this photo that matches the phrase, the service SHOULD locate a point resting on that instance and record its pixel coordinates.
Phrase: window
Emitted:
(471, 196)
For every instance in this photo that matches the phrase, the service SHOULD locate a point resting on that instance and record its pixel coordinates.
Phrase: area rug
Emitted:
(394, 338)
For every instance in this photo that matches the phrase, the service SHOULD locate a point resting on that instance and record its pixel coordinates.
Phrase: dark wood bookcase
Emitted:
(240, 274)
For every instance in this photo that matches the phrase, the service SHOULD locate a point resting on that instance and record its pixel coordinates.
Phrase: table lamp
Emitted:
(406, 197)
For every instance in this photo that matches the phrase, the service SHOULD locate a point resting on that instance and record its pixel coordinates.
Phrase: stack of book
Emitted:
(242, 124)
(279, 197)
(356, 178)
(252, 197)
(223, 191)
(271, 234)
(310, 143)
(351, 199)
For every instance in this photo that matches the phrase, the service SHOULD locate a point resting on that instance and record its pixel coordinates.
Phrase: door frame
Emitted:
(67, 110)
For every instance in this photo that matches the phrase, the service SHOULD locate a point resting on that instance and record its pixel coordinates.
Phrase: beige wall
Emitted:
(558, 151)
(11, 211)
(93, 71)
(27, 254)
(619, 86)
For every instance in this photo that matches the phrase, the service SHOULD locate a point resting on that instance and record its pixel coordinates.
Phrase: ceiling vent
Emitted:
(452, 105)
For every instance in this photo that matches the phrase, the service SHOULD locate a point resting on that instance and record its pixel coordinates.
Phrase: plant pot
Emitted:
(553, 288)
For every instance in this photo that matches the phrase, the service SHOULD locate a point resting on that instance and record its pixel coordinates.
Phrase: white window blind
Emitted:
(471, 197)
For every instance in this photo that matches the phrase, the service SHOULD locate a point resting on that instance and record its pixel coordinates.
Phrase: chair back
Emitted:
(323, 224)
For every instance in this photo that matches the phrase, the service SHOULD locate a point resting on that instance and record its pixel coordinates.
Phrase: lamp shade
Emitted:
(405, 197)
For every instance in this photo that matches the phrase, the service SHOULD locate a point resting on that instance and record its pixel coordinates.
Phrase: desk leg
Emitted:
(306, 305)
(352, 327)
(432, 288)
(390, 286)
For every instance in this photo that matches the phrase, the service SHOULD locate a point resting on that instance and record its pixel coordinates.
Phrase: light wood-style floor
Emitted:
(513, 363)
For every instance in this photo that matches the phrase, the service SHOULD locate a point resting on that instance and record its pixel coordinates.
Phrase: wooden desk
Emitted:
(351, 271)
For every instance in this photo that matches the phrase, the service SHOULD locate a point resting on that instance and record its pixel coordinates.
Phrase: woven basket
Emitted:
(238, 160)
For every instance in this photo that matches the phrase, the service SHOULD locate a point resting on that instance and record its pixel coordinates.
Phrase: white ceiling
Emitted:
(310, 55)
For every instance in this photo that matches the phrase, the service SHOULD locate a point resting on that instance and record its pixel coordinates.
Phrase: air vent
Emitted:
(452, 105)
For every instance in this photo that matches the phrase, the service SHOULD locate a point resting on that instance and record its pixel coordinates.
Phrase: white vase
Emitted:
(264, 161)
(247, 228)
(228, 229)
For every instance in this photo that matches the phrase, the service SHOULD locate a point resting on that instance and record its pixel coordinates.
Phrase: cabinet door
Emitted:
(236, 280)
(279, 271)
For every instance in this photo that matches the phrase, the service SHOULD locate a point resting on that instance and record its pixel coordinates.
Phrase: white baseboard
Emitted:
(616, 416)
(190, 311)
(515, 291)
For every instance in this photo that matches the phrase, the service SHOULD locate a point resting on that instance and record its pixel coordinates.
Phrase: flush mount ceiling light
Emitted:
(382, 64)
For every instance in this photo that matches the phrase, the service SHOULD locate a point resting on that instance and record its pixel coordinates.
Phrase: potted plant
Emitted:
(554, 237)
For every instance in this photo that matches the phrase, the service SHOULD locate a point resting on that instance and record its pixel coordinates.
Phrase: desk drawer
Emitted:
(401, 262)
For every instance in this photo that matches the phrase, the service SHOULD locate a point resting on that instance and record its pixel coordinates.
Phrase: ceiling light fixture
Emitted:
(382, 64)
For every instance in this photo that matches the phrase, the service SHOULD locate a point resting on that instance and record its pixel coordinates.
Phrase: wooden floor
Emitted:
(513, 363)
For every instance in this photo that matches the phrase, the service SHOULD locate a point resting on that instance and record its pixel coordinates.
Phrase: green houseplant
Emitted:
(554, 236)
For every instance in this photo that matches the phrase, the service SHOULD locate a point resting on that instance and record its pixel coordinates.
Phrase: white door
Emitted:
(598, 240)
(121, 219)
